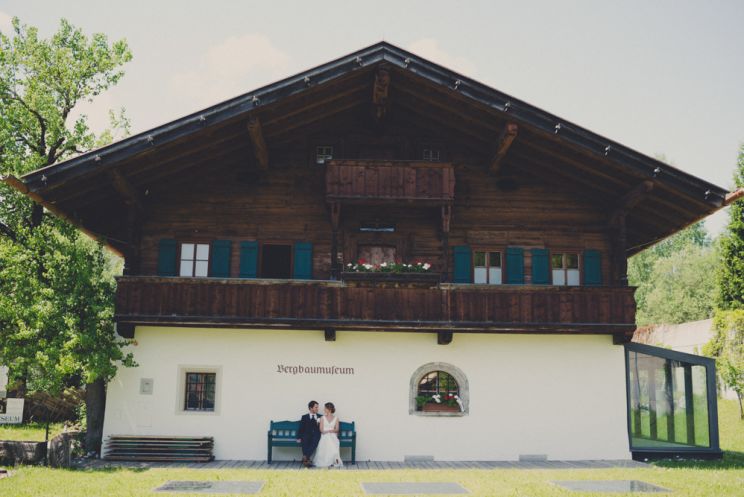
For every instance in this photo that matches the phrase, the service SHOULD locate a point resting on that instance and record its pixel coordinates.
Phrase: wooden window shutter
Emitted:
(248, 259)
(221, 253)
(167, 250)
(463, 264)
(515, 265)
(303, 261)
(540, 267)
(592, 268)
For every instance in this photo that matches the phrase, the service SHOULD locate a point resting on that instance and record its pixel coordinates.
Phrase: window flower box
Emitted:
(433, 407)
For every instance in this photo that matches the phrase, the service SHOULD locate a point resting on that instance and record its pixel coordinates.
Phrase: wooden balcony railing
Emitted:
(333, 304)
(376, 181)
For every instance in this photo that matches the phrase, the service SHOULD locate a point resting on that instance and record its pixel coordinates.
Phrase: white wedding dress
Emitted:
(328, 453)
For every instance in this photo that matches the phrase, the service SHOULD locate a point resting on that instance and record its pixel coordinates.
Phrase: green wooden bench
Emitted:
(284, 434)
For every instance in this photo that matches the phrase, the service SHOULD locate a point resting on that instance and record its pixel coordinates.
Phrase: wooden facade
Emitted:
(379, 152)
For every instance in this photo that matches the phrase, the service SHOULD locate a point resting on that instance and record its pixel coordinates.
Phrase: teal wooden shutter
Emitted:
(540, 267)
(303, 261)
(167, 250)
(463, 272)
(592, 268)
(221, 252)
(515, 266)
(248, 259)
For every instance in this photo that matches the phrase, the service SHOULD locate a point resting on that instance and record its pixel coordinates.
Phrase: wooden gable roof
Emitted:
(95, 190)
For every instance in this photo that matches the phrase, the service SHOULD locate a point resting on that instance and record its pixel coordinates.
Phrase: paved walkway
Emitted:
(375, 465)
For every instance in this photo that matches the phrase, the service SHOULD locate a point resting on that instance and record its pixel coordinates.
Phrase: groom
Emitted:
(309, 433)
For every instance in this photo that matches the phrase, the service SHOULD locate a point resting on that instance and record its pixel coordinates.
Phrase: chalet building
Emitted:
(241, 226)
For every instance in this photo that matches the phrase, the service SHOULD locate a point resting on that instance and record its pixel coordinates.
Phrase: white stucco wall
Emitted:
(562, 396)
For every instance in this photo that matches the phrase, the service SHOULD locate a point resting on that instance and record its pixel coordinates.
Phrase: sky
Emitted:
(662, 77)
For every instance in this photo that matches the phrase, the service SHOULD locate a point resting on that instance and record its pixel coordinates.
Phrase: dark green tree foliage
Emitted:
(731, 270)
(56, 285)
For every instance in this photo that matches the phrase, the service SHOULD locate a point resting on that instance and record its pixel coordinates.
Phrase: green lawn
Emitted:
(707, 479)
(30, 432)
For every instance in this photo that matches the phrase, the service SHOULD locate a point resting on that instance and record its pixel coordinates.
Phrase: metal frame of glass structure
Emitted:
(672, 405)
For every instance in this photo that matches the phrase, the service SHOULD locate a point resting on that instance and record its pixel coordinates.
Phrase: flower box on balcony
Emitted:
(393, 278)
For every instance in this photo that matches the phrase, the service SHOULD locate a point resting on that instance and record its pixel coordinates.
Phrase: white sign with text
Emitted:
(13, 414)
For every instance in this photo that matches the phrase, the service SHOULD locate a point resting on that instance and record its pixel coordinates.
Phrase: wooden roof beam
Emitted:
(631, 199)
(734, 196)
(126, 190)
(508, 134)
(259, 144)
(380, 93)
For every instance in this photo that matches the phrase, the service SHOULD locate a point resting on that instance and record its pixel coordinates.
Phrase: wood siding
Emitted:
(317, 305)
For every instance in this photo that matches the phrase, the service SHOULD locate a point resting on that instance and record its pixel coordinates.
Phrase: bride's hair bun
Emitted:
(330, 407)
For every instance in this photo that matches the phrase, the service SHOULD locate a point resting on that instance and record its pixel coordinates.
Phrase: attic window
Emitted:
(323, 153)
(431, 154)
(377, 227)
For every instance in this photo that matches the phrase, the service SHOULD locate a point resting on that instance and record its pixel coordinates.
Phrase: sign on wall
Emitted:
(13, 412)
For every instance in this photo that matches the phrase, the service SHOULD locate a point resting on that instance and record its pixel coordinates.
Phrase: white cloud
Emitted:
(6, 23)
(234, 66)
(429, 49)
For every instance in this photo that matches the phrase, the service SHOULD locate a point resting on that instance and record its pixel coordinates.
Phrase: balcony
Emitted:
(376, 181)
(149, 300)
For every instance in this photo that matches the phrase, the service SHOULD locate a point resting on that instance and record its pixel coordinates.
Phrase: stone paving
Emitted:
(374, 465)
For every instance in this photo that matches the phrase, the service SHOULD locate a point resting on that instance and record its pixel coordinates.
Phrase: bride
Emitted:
(328, 453)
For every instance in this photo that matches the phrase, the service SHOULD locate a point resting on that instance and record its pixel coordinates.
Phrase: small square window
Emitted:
(194, 259)
(323, 153)
(431, 154)
(487, 268)
(200, 391)
(565, 268)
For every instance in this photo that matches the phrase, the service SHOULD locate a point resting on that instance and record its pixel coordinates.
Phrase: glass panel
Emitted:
(202, 268)
(494, 275)
(494, 259)
(556, 261)
(668, 403)
(202, 252)
(559, 277)
(572, 275)
(572, 261)
(187, 251)
(479, 275)
(479, 259)
(187, 268)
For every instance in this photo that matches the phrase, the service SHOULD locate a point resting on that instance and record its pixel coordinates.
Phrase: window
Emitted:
(276, 261)
(487, 268)
(200, 391)
(431, 154)
(323, 153)
(565, 268)
(439, 389)
(194, 259)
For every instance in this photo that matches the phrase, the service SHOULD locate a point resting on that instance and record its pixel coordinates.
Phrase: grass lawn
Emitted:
(693, 479)
(31, 432)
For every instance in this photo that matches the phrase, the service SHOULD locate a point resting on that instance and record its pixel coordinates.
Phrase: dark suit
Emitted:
(309, 434)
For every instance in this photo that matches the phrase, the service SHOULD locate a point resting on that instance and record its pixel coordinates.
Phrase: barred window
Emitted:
(437, 390)
(200, 391)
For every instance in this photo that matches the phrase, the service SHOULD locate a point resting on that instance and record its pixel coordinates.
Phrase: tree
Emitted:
(56, 286)
(727, 346)
(671, 286)
(731, 271)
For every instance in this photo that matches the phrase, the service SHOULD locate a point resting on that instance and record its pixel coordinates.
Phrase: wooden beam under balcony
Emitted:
(259, 144)
(506, 138)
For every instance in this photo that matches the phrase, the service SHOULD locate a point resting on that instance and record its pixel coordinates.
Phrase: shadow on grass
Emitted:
(731, 460)
(104, 469)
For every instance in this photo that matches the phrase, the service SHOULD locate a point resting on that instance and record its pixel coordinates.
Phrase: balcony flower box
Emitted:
(374, 277)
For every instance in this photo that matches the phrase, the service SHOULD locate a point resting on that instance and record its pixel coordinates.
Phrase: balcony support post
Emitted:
(446, 219)
(619, 234)
(335, 222)
(132, 254)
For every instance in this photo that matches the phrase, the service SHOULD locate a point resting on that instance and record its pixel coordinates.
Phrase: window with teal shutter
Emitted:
(248, 259)
(592, 268)
(463, 264)
(514, 266)
(167, 250)
(303, 261)
(540, 267)
(221, 252)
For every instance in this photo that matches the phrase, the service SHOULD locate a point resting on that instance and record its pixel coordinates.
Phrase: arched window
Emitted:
(439, 389)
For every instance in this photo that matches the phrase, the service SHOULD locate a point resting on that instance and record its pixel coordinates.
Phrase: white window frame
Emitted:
(565, 276)
(323, 153)
(193, 262)
(491, 275)
(431, 154)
